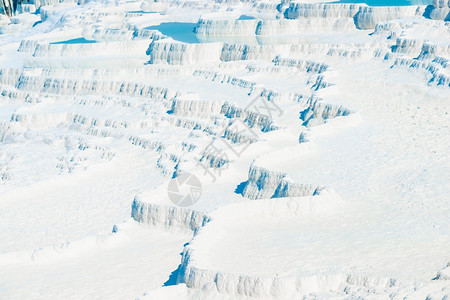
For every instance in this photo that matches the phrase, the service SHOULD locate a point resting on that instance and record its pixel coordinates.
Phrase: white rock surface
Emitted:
(318, 132)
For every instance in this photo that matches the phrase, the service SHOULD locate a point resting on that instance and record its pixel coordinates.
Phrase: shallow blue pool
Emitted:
(75, 41)
(245, 17)
(140, 12)
(183, 32)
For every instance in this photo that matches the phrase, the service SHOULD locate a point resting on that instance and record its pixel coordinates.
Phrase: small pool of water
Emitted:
(245, 17)
(75, 41)
(183, 32)
(387, 2)
(140, 12)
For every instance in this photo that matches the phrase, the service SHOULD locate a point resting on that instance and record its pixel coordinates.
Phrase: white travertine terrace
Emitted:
(319, 132)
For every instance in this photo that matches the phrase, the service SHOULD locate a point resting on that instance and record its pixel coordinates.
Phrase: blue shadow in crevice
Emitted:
(173, 277)
(240, 188)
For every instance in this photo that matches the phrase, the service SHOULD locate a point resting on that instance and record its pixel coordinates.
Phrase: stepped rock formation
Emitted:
(310, 138)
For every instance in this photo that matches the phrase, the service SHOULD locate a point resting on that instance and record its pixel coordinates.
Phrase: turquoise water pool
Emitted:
(183, 32)
(140, 12)
(75, 41)
(245, 17)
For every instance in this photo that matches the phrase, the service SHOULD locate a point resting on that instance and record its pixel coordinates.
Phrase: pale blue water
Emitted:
(141, 12)
(244, 17)
(75, 41)
(183, 32)
(387, 2)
